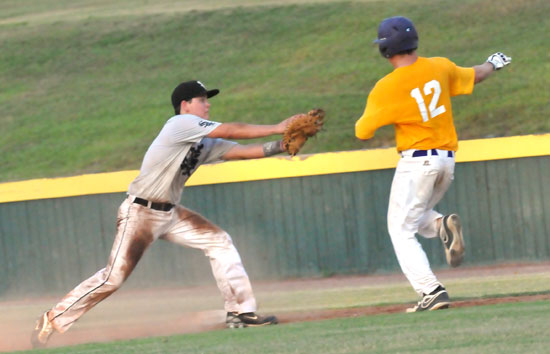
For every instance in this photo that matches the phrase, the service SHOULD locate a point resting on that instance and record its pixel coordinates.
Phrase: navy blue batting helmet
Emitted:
(396, 34)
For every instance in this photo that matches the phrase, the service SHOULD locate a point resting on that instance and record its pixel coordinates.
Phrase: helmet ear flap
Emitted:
(384, 51)
(388, 53)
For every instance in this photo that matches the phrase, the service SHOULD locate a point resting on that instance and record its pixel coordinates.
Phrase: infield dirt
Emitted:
(121, 317)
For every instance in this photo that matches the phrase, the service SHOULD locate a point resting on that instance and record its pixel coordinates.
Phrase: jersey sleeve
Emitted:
(373, 117)
(216, 148)
(189, 128)
(461, 80)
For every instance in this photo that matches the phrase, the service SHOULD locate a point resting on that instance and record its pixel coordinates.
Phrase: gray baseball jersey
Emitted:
(174, 155)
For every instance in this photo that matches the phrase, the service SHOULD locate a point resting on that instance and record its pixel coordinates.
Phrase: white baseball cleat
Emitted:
(42, 331)
(450, 233)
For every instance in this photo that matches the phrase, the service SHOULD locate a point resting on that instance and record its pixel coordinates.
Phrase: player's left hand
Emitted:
(283, 125)
(499, 60)
(300, 128)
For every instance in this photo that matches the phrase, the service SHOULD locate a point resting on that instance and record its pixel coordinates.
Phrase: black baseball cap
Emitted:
(190, 89)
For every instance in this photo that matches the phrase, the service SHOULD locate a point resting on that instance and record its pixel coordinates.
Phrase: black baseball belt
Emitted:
(419, 153)
(153, 205)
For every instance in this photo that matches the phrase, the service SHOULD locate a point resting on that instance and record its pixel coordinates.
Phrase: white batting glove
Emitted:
(499, 60)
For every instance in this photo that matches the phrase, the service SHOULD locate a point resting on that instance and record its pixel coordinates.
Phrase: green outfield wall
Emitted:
(328, 218)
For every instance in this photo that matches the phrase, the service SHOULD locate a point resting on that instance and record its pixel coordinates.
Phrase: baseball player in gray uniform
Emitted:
(151, 211)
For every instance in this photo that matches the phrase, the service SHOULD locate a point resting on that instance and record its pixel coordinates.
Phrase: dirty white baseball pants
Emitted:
(137, 228)
(418, 185)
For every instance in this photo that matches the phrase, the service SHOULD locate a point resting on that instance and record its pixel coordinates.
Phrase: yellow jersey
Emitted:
(416, 99)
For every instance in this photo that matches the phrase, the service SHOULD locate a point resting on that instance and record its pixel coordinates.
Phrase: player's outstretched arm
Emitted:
(296, 131)
(254, 151)
(248, 131)
(493, 63)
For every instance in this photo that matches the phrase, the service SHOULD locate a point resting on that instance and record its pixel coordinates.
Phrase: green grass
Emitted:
(85, 86)
(396, 293)
(505, 328)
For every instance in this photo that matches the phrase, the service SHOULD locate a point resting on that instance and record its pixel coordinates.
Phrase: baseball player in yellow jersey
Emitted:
(416, 98)
(151, 211)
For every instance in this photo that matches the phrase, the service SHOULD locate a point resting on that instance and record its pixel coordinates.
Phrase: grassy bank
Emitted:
(85, 86)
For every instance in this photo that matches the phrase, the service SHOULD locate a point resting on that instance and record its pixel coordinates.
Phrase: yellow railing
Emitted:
(273, 167)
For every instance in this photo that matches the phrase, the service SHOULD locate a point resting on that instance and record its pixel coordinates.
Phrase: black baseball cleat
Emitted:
(232, 320)
(450, 233)
(436, 300)
(251, 319)
(42, 331)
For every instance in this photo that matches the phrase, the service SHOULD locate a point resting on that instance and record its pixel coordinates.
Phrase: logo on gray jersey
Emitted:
(191, 159)
(205, 123)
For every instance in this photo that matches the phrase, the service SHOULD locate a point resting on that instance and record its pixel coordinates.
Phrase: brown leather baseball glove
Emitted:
(301, 128)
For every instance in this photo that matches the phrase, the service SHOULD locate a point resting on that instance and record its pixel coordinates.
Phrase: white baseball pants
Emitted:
(418, 185)
(137, 228)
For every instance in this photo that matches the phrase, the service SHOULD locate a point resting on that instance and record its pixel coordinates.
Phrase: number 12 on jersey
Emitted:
(429, 87)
